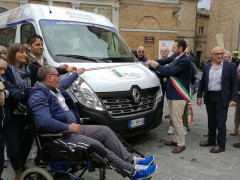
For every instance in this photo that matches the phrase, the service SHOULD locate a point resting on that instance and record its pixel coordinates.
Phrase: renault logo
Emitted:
(136, 96)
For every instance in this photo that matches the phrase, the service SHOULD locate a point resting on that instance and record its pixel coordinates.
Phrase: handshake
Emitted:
(152, 63)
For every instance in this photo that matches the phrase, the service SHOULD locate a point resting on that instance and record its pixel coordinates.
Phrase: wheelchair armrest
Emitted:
(60, 134)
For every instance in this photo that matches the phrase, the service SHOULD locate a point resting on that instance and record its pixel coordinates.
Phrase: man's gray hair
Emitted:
(43, 72)
(3, 49)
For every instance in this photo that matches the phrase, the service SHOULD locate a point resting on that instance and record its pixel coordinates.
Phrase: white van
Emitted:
(116, 90)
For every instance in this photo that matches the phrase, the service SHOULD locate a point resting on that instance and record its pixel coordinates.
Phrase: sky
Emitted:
(204, 4)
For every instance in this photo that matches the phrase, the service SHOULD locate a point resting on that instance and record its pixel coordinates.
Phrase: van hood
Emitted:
(121, 75)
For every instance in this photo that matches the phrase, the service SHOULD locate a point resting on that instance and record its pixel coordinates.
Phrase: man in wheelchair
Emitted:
(55, 111)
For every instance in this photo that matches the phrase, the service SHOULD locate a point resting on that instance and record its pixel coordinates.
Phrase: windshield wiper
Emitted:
(79, 57)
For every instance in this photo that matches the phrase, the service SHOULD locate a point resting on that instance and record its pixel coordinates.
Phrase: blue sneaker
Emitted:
(143, 161)
(143, 172)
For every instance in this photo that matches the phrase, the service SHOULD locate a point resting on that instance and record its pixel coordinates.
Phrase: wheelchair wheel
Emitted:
(36, 173)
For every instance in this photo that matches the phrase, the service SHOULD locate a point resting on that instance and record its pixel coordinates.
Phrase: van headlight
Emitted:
(85, 95)
(159, 95)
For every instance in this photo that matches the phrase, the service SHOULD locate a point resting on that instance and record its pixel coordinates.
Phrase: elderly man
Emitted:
(219, 84)
(55, 111)
(179, 73)
(141, 54)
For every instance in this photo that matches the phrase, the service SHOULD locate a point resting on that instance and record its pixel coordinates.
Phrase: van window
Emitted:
(26, 31)
(7, 36)
(75, 39)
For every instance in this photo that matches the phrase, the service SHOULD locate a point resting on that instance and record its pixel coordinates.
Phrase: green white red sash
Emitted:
(185, 94)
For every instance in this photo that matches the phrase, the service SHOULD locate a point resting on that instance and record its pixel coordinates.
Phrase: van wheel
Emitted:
(36, 173)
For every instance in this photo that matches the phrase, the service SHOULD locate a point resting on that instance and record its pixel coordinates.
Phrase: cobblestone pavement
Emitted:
(195, 163)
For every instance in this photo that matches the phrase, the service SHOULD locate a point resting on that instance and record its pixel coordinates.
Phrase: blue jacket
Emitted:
(229, 83)
(45, 108)
(181, 69)
(14, 96)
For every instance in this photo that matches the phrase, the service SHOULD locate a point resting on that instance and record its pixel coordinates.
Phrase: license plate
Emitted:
(136, 122)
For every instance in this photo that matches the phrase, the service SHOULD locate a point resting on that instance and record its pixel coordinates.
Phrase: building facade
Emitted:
(140, 22)
(224, 25)
(201, 36)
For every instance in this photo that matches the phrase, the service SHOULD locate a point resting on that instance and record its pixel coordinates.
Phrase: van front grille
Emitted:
(124, 106)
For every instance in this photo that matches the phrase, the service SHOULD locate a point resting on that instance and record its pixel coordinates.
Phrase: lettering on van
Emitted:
(72, 14)
(126, 75)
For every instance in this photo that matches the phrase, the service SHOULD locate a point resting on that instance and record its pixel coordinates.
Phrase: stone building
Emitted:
(201, 35)
(224, 25)
(140, 22)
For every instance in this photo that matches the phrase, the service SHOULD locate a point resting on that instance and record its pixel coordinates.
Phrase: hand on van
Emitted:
(80, 71)
(64, 66)
(72, 68)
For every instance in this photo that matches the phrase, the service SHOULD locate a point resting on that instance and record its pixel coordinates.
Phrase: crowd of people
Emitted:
(27, 78)
(218, 87)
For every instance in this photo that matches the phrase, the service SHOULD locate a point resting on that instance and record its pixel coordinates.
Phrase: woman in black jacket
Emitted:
(18, 139)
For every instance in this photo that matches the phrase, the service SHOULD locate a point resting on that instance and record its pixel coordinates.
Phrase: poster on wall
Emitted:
(165, 43)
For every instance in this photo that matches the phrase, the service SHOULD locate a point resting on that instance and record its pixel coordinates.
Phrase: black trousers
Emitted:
(217, 117)
(1, 153)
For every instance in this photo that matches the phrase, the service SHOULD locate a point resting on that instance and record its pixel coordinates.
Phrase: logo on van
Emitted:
(72, 14)
(136, 96)
(126, 75)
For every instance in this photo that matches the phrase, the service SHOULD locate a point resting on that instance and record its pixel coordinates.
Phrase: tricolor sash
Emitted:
(185, 94)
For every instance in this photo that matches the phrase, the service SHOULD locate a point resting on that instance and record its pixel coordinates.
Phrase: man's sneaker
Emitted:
(185, 131)
(143, 172)
(143, 161)
(170, 130)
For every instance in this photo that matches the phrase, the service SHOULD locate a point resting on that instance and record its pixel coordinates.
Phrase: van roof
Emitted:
(38, 12)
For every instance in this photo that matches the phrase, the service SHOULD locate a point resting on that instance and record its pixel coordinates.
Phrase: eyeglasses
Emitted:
(227, 57)
(218, 54)
(58, 75)
(141, 51)
(4, 53)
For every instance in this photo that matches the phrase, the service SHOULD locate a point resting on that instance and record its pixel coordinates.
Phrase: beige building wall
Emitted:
(187, 22)
(137, 19)
(201, 36)
(224, 24)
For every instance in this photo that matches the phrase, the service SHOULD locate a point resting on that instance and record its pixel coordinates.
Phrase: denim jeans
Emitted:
(19, 141)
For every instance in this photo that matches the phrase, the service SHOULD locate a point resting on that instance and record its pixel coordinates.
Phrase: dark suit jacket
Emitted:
(229, 83)
(181, 69)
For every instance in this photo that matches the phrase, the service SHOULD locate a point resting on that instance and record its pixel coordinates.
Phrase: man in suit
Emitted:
(219, 84)
(179, 71)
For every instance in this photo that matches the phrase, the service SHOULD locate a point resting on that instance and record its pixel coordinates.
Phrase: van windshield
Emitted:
(76, 41)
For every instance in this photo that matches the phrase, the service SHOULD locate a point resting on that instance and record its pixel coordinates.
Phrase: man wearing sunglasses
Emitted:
(141, 54)
(55, 111)
(219, 84)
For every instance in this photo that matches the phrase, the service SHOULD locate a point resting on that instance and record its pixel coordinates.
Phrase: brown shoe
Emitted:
(217, 149)
(234, 132)
(18, 175)
(206, 143)
(178, 149)
(170, 143)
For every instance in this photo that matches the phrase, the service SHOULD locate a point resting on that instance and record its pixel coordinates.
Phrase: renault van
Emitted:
(116, 90)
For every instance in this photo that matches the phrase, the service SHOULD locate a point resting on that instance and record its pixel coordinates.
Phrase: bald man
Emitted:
(141, 54)
(219, 84)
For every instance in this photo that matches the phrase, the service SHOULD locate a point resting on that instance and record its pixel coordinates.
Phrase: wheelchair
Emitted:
(55, 160)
